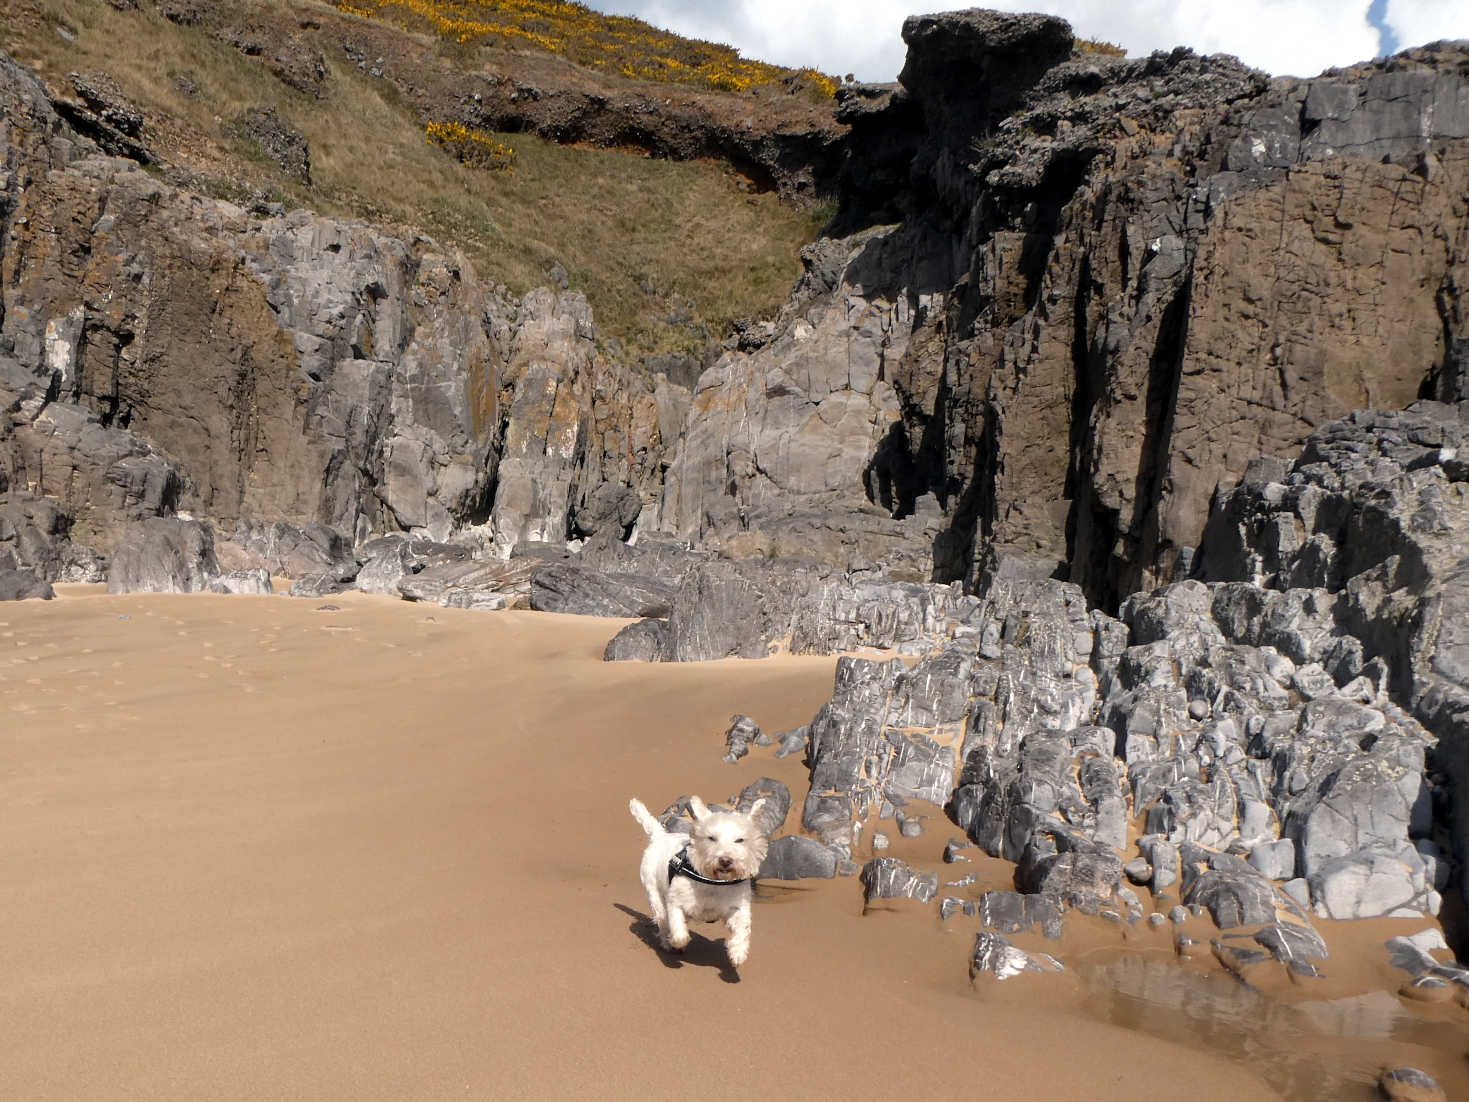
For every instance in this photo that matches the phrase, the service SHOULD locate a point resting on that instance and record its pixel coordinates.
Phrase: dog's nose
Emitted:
(725, 862)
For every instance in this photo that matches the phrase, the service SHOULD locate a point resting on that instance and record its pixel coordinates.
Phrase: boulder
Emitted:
(163, 555)
(559, 587)
(22, 585)
(994, 955)
(644, 641)
(890, 878)
(796, 857)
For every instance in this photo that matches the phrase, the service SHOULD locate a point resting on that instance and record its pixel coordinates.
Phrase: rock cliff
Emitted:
(1099, 286)
(1070, 297)
(163, 351)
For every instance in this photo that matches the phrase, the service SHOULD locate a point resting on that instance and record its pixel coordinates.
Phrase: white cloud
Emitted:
(1300, 37)
(1419, 21)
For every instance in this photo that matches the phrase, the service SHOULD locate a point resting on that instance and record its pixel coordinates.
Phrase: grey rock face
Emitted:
(163, 555)
(722, 611)
(288, 550)
(644, 641)
(563, 588)
(796, 857)
(22, 585)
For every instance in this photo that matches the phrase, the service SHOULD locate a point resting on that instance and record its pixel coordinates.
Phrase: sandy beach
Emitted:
(263, 848)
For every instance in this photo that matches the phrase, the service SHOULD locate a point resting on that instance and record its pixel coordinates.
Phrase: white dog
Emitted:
(703, 876)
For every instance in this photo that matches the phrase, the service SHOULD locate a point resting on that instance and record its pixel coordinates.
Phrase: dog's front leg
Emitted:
(737, 945)
(678, 927)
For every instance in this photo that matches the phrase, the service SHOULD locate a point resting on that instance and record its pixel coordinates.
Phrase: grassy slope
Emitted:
(618, 222)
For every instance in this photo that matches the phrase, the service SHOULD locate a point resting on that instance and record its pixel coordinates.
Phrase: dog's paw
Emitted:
(677, 944)
(738, 957)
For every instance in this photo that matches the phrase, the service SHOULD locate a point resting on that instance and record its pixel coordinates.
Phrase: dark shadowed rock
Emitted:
(22, 585)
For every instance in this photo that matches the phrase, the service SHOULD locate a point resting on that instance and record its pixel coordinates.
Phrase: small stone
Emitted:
(879, 841)
(950, 906)
(951, 851)
(1138, 870)
(1410, 1085)
(909, 827)
(1178, 915)
(1157, 919)
(1428, 989)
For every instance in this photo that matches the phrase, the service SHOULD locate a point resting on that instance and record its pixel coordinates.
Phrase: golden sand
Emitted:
(355, 848)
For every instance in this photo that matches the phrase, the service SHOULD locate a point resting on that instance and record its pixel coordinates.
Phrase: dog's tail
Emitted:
(649, 824)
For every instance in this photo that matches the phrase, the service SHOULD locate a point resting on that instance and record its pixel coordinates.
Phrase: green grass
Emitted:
(610, 218)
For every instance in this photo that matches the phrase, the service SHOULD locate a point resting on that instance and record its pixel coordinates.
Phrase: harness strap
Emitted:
(678, 865)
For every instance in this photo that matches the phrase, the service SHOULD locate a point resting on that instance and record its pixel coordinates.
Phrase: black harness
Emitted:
(678, 865)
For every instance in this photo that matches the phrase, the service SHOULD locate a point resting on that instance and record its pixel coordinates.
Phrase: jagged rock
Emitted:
(796, 857)
(993, 954)
(644, 641)
(559, 587)
(163, 555)
(742, 732)
(1070, 868)
(1014, 913)
(890, 878)
(103, 114)
(1233, 893)
(277, 139)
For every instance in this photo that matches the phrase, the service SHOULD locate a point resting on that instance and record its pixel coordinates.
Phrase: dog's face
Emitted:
(726, 845)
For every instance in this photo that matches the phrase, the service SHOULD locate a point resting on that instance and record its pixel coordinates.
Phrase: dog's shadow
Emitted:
(701, 951)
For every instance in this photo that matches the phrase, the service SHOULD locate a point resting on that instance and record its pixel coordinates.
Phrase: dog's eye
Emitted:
(710, 837)
(738, 841)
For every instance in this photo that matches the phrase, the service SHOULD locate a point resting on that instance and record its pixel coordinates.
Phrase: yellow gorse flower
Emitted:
(472, 147)
(586, 37)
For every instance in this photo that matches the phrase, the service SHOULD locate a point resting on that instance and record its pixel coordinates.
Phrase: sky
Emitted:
(1298, 37)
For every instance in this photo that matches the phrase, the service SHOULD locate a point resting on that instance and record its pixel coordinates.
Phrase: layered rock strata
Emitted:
(1109, 283)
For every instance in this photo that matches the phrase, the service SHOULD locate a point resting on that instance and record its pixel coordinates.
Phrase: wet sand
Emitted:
(260, 848)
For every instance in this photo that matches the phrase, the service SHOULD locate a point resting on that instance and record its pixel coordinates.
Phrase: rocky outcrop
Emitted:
(164, 555)
(162, 351)
(1111, 282)
(1351, 560)
(1280, 727)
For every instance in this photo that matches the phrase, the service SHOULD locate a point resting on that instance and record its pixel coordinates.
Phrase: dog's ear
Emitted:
(697, 808)
(755, 809)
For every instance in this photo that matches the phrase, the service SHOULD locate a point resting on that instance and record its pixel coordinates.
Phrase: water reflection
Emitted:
(1303, 1049)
